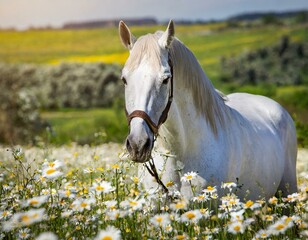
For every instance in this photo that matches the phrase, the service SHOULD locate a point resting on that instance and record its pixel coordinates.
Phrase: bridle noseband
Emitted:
(142, 114)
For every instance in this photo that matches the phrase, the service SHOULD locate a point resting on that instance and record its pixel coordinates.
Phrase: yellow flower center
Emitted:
(50, 171)
(107, 238)
(100, 188)
(237, 228)
(189, 177)
(83, 204)
(133, 203)
(180, 237)
(25, 219)
(249, 203)
(190, 215)
(201, 197)
(115, 166)
(33, 202)
(280, 227)
(135, 180)
(159, 219)
(210, 188)
(179, 205)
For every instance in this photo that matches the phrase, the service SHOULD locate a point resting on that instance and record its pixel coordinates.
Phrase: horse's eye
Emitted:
(166, 80)
(123, 80)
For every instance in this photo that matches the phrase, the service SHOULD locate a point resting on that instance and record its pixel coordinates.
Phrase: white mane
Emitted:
(207, 100)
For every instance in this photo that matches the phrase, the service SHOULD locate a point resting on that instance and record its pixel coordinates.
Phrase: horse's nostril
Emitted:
(147, 144)
(128, 146)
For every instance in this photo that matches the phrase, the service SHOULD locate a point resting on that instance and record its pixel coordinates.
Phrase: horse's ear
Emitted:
(167, 37)
(126, 37)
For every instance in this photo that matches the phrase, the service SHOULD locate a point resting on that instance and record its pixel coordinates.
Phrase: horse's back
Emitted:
(274, 131)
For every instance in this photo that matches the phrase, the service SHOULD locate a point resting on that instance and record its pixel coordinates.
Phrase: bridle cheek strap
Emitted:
(142, 114)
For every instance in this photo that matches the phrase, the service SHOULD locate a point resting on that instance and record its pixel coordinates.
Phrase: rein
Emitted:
(155, 127)
(152, 170)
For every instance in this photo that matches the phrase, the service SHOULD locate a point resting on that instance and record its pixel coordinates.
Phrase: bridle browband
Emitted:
(142, 114)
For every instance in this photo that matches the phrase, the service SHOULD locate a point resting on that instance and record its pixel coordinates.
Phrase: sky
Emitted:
(22, 14)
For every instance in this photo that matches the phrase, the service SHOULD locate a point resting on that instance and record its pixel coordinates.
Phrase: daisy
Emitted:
(201, 198)
(269, 218)
(261, 234)
(5, 214)
(237, 216)
(68, 193)
(51, 173)
(102, 187)
(230, 202)
(251, 205)
(189, 176)
(277, 228)
(110, 233)
(36, 201)
(179, 205)
(281, 226)
(191, 216)
(161, 220)
(292, 198)
(228, 185)
(273, 200)
(81, 204)
(24, 219)
(111, 205)
(113, 215)
(55, 164)
(47, 236)
(181, 237)
(133, 204)
(210, 190)
(236, 227)
(24, 233)
(205, 212)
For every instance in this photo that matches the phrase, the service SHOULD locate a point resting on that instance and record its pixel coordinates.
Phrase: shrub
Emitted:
(283, 64)
(27, 88)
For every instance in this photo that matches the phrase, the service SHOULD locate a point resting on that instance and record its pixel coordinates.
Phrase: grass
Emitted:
(78, 197)
(86, 126)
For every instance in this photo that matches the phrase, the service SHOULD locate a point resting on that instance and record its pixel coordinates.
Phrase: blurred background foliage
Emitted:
(59, 86)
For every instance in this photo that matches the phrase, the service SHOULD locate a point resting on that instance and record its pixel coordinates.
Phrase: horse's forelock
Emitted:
(145, 47)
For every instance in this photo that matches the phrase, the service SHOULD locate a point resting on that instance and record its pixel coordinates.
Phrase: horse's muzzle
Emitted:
(139, 150)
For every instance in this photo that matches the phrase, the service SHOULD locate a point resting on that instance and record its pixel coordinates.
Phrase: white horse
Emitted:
(223, 138)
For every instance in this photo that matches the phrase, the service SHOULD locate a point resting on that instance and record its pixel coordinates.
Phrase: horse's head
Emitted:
(147, 76)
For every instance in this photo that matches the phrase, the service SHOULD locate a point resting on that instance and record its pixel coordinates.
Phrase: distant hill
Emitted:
(110, 23)
(257, 15)
(152, 21)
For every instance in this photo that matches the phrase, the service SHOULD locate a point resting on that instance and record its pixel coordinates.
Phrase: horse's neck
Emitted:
(185, 129)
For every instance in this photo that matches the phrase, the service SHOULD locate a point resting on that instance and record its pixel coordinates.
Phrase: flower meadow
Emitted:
(84, 195)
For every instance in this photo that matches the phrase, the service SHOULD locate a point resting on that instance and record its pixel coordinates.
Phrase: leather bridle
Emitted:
(142, 114)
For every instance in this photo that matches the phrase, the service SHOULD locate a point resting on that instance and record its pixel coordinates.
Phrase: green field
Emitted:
(94, 126)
